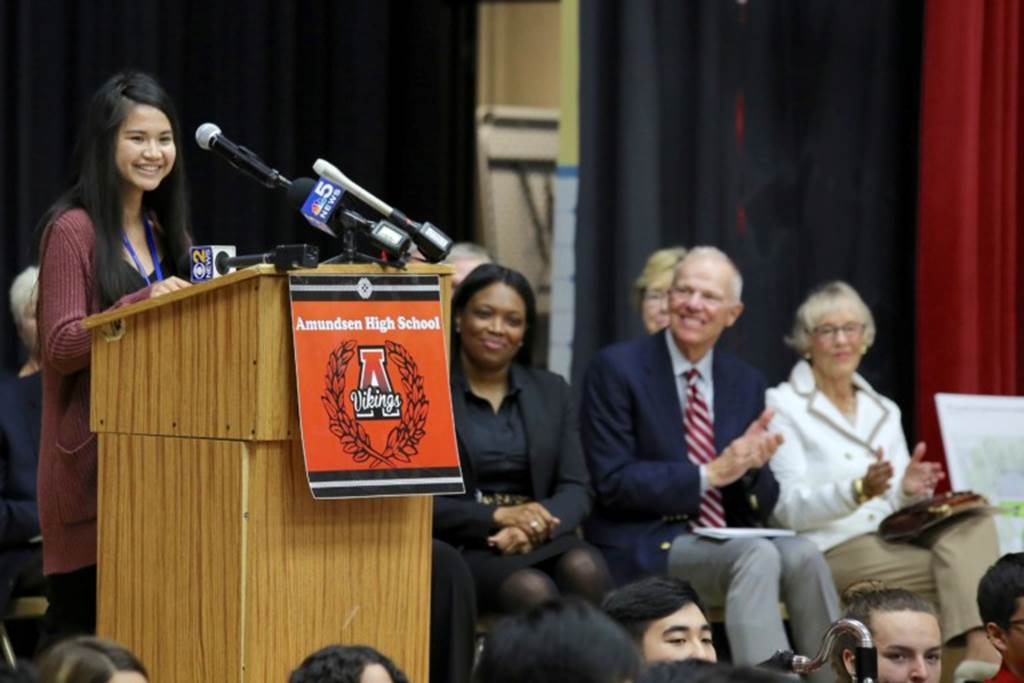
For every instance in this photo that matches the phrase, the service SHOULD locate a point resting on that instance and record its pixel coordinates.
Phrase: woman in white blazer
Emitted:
(844, 466)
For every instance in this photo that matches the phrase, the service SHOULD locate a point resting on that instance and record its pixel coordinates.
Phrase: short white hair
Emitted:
(468, 250)
(22, 288)
(819, 303)
(709, 252)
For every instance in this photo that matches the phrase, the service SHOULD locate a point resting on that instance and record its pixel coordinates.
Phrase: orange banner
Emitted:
(372, 375)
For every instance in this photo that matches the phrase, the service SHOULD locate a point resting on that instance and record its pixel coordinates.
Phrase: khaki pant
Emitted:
(944, 566)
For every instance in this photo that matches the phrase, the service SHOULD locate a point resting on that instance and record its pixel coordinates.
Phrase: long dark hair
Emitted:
(96, 183)
(486, 275)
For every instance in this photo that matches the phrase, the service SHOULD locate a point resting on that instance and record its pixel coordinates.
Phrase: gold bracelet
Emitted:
(858, 491)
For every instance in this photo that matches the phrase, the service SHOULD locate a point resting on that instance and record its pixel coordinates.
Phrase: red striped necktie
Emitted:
(700, 447)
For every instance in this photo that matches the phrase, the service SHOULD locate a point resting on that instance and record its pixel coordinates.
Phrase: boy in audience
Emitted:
(1001, 603)
(347, 664)
(665, 617)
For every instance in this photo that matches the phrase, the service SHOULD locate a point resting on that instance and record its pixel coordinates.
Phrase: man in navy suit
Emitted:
(655, 482)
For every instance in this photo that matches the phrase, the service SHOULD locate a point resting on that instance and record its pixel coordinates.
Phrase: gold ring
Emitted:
(534, 524)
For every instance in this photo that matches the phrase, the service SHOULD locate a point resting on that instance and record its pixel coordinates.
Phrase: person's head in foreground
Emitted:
(86, 659)
(565, 641)
(905, 630)
(347, 664)
(1001, 603)
(665, 617)
(650, 291)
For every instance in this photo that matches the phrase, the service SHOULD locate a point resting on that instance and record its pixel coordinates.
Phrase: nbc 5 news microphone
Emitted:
(430, 239)
(209, 137)
(317, 200)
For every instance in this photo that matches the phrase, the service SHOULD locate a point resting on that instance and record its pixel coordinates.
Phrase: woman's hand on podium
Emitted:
(171, 284)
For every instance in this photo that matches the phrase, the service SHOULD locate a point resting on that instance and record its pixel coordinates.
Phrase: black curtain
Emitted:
(384, 89)
(782, 131)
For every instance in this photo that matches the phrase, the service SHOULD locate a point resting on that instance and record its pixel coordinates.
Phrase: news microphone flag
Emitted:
(321, 203)
(203, 261)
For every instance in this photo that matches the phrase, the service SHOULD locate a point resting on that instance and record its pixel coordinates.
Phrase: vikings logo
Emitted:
(375, 399)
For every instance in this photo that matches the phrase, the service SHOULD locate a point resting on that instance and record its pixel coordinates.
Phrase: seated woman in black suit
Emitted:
(526, 481)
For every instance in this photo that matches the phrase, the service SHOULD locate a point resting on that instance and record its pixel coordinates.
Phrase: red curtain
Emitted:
(970, 253)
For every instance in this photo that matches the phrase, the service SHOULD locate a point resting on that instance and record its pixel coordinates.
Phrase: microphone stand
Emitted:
(349, 253)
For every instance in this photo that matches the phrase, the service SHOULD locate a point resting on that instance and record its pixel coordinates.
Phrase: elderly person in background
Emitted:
(843, 466)
(20, 422)
(650, 291)
(464, 257)
(24, 295)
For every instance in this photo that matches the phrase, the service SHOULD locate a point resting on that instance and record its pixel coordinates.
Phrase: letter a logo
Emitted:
(371, 369)
(374, 399)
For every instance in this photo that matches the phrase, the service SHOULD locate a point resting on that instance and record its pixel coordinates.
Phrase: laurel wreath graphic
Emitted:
(404, 437)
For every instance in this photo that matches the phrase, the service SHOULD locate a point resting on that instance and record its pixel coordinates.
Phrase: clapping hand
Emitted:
(750, 451)
(876, 479)
(921, 477)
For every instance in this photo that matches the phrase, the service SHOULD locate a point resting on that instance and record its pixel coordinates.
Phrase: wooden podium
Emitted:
(215, 562)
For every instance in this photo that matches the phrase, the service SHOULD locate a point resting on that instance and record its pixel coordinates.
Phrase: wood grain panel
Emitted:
(322, 572)
(170, 553)
(216, 363)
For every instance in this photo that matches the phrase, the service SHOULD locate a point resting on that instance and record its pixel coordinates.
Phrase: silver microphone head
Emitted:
(206, 133)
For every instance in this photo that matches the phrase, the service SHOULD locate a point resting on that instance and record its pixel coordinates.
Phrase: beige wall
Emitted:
(519, 54)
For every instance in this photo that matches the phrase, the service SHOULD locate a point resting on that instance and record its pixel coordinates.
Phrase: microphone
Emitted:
(209, 262)
(209, 137)
(206, 262)
(430, 239)
(318, 199)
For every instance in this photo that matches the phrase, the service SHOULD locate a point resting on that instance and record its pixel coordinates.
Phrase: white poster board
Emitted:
(984, 441)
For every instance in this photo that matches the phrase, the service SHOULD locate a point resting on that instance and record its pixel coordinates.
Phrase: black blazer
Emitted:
(632, 428)
(557, 469)
(20, 422)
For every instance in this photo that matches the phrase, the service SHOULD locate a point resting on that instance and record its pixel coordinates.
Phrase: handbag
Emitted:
(911, 522)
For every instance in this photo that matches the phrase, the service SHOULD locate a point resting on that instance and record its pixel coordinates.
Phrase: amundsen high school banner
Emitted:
(374, 403)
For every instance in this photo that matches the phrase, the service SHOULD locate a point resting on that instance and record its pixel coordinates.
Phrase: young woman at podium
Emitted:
(113, 238)
(526, 480)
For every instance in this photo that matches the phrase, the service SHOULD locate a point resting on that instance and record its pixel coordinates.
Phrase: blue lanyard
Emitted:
(151, 243)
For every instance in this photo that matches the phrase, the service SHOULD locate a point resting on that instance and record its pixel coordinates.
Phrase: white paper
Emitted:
(983, 437)
(740, 532)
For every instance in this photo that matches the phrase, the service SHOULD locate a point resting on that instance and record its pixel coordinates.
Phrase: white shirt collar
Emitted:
(680, 366)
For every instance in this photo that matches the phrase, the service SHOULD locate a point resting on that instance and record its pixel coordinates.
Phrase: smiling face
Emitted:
(492, 326)
(837, 344)
(702, 304)
(145, 151)
(684, 634)
(909, 647)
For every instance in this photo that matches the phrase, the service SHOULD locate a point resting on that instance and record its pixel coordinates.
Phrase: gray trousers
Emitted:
(749, 577)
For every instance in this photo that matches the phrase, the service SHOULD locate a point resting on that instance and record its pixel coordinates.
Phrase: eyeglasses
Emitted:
(831, 332)
(655, 295)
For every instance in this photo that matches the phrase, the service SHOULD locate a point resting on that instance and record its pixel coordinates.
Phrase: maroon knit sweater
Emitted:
(67, 451)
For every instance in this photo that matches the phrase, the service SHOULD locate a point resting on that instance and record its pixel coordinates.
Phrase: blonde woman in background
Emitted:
(650, 291)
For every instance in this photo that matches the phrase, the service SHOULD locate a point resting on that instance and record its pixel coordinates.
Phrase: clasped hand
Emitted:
(750, 451)
(532, 520)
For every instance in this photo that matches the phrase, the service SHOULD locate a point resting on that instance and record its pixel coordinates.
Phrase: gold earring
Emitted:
(807, 355)
(863, 349)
